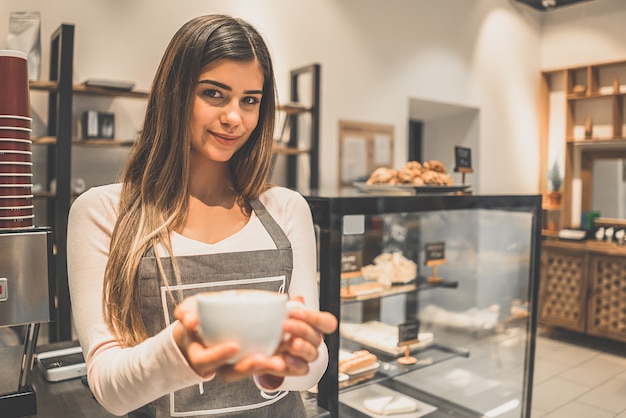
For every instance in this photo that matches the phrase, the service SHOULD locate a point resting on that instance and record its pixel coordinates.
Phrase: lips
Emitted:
(225, 139)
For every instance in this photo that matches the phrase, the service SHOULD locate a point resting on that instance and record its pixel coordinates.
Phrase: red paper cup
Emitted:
(15, 144)
(12, 201)
(15, 121)
(9, 193)
(17, 223)
(16, 167)
(15, 190)
(15, 211)
(14, 89)
(16, 178)
(15, 156)
(12, 132)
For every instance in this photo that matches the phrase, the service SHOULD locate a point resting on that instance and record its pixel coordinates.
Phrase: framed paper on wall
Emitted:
(363, 147)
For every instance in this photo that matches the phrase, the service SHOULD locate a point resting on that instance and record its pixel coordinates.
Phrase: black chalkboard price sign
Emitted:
(463, 161)
(435, 255)
(351, 262)
(408, 333)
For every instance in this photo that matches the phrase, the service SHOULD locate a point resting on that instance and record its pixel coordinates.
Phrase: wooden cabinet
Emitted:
(606, 310)
(583, 288)
(582, 120)
(563, 288)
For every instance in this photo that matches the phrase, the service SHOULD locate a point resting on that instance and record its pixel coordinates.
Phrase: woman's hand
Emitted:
(203, 360)
(304, 331)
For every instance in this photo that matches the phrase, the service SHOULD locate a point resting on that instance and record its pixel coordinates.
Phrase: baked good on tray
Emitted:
(359, 360)
(432, 172)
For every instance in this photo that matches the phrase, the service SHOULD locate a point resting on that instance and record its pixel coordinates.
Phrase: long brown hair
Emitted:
(154, 197)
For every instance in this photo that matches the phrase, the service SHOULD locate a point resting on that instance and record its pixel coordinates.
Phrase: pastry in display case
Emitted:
(461, 345)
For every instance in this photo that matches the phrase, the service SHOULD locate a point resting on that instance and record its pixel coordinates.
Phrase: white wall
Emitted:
(375, 56)
(588, 33)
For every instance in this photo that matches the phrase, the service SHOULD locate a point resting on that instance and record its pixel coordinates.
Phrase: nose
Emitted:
(231, 115)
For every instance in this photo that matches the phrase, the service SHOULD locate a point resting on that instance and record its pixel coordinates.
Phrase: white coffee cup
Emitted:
(251, 318)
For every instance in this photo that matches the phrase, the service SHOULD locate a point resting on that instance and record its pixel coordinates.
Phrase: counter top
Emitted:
(600, 247)
(71, 398)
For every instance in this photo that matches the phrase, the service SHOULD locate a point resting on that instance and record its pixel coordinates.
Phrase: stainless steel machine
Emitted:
(26, 299)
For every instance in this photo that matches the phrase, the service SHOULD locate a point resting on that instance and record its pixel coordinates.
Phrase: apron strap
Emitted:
(275, 231)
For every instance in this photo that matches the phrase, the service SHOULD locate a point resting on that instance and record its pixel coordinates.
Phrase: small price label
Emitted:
(408, 332)
(351, 261)
(463, 160)
(435, 253)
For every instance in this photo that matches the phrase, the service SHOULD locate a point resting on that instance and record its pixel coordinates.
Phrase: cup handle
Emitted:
(291, 305)
(294, 304)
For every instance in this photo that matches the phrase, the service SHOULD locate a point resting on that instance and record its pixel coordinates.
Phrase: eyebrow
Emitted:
(225, 87)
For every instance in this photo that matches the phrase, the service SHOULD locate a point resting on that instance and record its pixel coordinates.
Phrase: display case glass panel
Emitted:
(442, 291)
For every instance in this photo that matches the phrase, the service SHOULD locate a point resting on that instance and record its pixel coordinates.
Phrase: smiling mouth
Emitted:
(225, 139)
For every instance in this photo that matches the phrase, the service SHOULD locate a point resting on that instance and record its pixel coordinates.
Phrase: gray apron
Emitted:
(261, 269)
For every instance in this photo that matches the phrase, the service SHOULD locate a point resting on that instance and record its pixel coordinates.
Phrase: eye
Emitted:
(212, 93)
(251, 100)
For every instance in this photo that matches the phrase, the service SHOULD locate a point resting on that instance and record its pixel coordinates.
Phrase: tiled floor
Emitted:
(578, 377)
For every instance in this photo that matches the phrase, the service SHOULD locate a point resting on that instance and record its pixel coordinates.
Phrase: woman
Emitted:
(194, 213)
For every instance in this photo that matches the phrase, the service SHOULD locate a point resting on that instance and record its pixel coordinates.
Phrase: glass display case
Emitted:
(436, 296)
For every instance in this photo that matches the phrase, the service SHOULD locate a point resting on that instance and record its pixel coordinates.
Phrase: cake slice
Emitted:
(377, 405)
(401, 405)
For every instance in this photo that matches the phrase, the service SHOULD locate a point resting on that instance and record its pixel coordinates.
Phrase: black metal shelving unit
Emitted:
(59, 142)
(295, 110)
(59, 168)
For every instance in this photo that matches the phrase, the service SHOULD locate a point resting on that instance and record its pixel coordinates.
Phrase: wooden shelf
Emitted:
(293, 108)
(51, 86)
(100, 91)
(50, 195)
(549, 233)
(44, 195)
(612, 140)
(51, 140)
(43, 85)
(596, 95)
(281, 149)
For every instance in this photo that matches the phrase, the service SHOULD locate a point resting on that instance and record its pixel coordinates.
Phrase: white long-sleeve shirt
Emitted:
(124, 379)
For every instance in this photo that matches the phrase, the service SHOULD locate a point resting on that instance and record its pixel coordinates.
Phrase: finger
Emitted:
(323, 322)
(207, 360)
(300, 348)
(187, 313)
(254, 364)
(296, 366)
(298, 299)
(297, 328)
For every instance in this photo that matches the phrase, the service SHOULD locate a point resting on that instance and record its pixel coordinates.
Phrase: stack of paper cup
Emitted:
(16, 204)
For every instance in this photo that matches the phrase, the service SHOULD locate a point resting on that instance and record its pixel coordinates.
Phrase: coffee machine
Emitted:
(26, 299)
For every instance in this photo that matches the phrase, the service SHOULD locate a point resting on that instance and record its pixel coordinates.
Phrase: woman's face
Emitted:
(226, 105)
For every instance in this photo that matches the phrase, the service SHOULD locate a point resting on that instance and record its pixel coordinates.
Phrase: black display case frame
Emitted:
(328, 210)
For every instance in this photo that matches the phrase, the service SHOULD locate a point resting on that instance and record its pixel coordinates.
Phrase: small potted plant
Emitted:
(555, 181)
